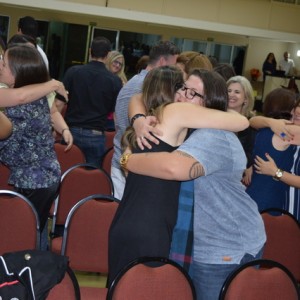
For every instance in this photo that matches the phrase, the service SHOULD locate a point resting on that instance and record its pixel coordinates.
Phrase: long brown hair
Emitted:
(159, 89)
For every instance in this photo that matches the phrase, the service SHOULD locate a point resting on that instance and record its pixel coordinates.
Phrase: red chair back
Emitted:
(19, 223)
(149, 278)
(269, 280)
(70, 158)
(4, 177)
(85, 239)
(283, 240)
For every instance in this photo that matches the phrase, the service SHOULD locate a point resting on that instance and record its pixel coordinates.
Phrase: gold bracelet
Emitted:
(124, 160)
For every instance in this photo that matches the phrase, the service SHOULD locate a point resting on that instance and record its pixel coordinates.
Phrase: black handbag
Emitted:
(12, 285)
(36, 271)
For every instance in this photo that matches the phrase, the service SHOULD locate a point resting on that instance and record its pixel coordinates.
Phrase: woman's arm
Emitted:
(269, 167)
(5, 126)
(278, 126)
(176, 165)
(187, 115)
(142, 125)
(29, 93)
(61, 126)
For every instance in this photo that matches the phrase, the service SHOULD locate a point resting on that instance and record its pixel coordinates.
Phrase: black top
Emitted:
(93, 91)
(145, 218)
(247, 139)
(269, 68)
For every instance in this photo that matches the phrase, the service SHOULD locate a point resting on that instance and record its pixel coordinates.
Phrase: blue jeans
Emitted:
(209, 278)
(91, 143)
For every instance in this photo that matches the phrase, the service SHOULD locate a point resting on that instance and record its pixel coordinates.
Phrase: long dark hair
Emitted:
(159, 88)
(27, 65)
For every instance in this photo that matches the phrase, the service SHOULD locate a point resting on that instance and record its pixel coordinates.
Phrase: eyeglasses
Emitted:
(115, 62)
(189, 93)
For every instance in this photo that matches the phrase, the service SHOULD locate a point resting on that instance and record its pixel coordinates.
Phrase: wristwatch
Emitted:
(278, 174)
(124, 159)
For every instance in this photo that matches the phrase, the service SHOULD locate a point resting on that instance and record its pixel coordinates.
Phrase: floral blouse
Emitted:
(29, 151)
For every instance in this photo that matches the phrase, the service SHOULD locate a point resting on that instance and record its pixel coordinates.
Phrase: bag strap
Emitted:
(5, 266)
(25, 277)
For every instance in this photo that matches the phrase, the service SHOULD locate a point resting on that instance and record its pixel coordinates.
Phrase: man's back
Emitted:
(132, 87)
(93, 92)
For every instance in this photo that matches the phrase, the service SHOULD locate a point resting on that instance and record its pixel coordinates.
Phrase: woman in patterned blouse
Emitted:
(29, 151)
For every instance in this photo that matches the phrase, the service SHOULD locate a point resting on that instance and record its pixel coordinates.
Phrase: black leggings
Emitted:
(41, 199)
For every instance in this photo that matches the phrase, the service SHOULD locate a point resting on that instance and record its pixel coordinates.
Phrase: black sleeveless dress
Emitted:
(145, 219)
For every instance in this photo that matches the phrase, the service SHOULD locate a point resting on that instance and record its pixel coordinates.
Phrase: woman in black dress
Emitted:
(147, 214)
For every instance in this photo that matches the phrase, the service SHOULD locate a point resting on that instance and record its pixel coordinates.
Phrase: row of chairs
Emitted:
(78, 182)
(148, 278)
(85, 239)
(90, 218)
(83, 224)
(66, 159)
(75, 156)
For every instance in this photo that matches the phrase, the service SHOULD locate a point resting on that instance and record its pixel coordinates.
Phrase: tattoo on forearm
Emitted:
(196, 169)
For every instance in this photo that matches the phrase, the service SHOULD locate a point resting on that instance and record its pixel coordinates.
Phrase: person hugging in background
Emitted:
(267, 191)
(267, 164)
(29, 150)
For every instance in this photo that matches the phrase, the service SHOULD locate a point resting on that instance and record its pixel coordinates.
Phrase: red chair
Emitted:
(149, 278)
(78, 182)
(107, 158)
(109, 136)
(85, 239)
(260, 280)
(4, 177)
(283, 239)
(67, 289)
(69, 158)
(19, 223)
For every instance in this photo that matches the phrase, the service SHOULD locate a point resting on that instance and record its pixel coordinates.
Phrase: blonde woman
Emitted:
(116, 64)
(241, 100)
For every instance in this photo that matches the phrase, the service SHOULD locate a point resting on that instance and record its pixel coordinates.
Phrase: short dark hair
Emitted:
(279, 103)
(100, 47)
(225, 70)
(29, 26)
(163, 48)
(26, 65)
(214, 87)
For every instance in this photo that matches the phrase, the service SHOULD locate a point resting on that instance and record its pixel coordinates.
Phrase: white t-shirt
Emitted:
(287, 65)
(44, 56)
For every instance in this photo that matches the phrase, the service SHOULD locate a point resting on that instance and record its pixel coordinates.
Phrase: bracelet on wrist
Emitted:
(124, 159)
(62, 132)
(136, 117)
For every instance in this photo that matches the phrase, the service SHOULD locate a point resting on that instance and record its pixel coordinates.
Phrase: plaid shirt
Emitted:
(182, 239)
